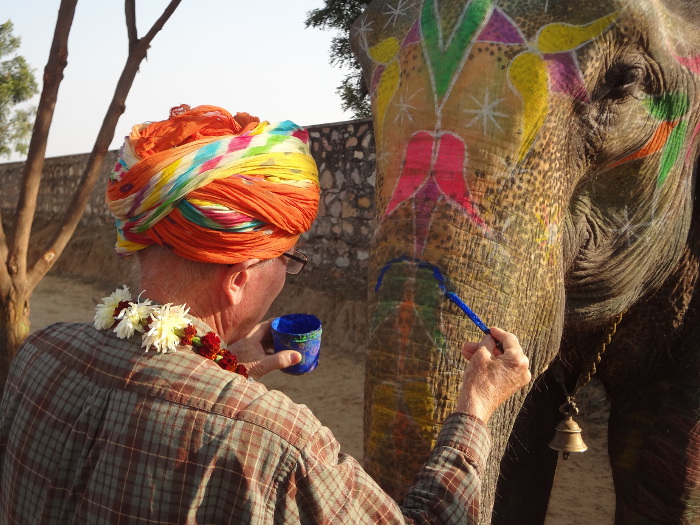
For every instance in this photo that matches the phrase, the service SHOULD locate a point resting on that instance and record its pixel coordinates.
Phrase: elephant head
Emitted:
(541, 157)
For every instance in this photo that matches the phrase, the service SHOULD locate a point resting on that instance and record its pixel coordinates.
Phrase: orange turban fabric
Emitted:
(213, 187)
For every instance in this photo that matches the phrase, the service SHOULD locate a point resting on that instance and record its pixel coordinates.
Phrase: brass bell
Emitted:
(567, 437)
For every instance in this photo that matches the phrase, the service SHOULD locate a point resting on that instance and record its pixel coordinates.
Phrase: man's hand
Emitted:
(492, 376)
(256, 352)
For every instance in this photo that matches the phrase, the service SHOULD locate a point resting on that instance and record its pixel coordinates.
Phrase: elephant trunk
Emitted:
(504, 263)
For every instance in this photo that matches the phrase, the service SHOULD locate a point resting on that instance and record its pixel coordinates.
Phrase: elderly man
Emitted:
(147, 415)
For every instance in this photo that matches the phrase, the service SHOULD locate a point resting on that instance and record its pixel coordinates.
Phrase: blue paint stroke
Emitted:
(442, 283)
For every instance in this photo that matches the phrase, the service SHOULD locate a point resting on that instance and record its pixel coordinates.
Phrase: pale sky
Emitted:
(243, 55)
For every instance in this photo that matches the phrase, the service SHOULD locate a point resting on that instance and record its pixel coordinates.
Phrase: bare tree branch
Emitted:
(130, 8)
(158, 25)
(53, 75)
(137, 52)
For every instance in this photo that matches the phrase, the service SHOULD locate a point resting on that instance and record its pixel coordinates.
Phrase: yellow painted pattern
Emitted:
(388, 84)
(381, 417)
(385, 51)
(557, 38)
(420, 405)
(528, 75)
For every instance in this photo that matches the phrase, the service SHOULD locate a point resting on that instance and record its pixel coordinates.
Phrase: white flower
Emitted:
(131, 317)
(166, 320)
(104, 313)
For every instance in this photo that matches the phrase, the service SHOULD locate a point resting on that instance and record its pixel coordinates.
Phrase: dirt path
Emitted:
(582, 494)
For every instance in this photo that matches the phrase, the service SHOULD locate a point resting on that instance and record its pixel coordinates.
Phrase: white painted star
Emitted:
(394, 12)
(383, 157)
(486, 113)
(363, 29)
(404, 108)
(629, 229)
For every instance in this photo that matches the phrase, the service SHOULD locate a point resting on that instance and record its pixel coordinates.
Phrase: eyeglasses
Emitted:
(296, 262)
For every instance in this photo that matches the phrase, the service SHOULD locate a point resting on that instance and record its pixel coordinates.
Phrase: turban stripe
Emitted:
(223, 198)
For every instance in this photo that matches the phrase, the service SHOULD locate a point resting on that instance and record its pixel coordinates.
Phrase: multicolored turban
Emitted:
(213, 187)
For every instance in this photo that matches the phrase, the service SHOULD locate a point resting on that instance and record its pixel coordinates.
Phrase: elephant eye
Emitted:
(620, 81)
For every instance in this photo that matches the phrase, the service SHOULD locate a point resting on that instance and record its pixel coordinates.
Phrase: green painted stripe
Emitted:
(669, 106)
(671, 151)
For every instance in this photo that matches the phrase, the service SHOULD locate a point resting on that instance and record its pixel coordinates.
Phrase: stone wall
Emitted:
(338, 241)
(58, 182)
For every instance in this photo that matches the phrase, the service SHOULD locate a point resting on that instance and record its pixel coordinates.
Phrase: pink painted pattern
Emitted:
(692, 63)
(434, 167)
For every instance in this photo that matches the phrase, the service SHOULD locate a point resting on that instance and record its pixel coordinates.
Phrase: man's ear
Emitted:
(236, 279)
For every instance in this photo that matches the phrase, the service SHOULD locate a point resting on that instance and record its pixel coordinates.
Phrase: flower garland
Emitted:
(164, 327)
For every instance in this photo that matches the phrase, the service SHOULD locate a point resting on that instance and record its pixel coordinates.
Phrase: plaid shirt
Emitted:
(94, 430)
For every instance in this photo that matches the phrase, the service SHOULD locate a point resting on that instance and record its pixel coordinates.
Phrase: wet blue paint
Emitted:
(443, 285)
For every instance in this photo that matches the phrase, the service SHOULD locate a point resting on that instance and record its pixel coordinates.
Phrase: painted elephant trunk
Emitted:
(427, 226)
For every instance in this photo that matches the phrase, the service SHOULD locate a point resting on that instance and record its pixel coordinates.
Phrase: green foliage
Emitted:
(17, 85)
(339, 15)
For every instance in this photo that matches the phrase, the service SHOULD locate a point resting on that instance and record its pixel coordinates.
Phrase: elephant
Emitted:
(537, 159)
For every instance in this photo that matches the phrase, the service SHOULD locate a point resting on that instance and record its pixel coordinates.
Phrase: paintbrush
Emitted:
(445, 287)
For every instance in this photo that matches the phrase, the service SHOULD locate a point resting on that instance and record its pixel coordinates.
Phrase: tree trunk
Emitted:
(14, 323)
(15, 288)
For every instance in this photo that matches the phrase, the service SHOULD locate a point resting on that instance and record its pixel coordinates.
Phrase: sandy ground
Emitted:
(582, 494)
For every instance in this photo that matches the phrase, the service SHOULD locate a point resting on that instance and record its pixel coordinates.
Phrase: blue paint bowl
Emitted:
(300, 332)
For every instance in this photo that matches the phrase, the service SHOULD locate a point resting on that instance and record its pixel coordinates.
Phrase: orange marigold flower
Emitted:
(207, 352)
(228, 361)
(189, 332)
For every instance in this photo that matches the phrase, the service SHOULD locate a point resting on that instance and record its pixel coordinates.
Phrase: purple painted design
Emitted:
(564, 72)
(376, 76)
(412, 36)
(426, 199)
(500, 28)
(565, 76)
